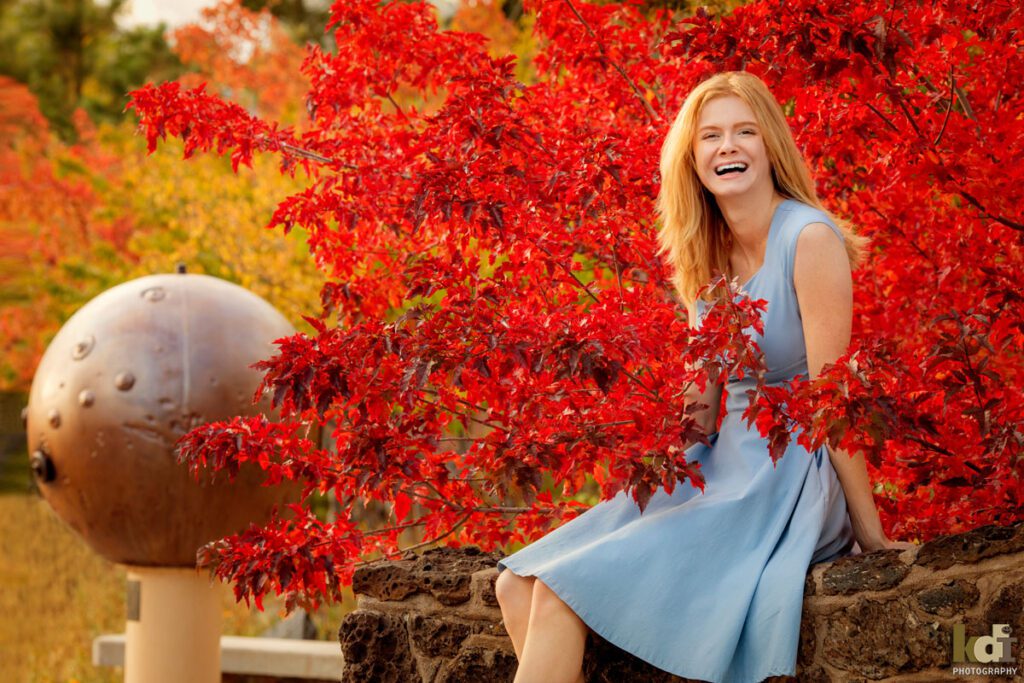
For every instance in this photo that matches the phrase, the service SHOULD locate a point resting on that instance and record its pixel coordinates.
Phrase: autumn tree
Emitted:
(497, 331)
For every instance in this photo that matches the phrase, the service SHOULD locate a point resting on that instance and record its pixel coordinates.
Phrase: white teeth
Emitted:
(725, 168)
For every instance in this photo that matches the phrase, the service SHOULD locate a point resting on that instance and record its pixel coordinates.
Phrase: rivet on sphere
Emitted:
(124, 381)
(53, 417)
(82, 347)
(153, 293)
(86, 398)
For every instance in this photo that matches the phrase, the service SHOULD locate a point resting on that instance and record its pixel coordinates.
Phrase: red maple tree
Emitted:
(497, 314)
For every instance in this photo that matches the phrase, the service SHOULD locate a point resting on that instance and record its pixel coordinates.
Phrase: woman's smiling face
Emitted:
(729, 152)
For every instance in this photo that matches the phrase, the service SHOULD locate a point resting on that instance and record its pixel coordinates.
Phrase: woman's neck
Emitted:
(748, 219)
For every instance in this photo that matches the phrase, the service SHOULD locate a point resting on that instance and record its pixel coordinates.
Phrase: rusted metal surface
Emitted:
(126, 376)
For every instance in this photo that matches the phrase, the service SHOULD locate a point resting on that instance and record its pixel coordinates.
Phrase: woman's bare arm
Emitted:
(824, 289)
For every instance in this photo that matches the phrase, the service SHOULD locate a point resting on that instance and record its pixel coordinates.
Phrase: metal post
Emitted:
(174, 626)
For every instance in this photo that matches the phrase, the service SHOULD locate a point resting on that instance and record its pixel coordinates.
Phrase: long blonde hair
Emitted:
(693, 235)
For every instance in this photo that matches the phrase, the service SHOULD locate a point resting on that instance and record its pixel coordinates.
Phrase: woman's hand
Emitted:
(881, 542)
(878, 540)
(898, 545)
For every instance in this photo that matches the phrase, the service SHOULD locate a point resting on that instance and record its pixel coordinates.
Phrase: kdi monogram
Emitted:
(997, 647)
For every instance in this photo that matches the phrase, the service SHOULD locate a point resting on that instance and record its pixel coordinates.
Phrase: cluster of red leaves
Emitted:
(499, 311)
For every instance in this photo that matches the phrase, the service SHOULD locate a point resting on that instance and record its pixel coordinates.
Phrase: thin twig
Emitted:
(567, 270)
(906, 112)
(998, 219)
(882, 116)
(421, 544)
(976, 384)
(651, 394)
(397, 527)
(443, 498)
(306, 154)
(927, 444)
(962, 96)
(463, 401)
(399, 109)
(449, 410)
(618, 273)
(903, 233)
(399, 552)
(508, 509)
(949, 106)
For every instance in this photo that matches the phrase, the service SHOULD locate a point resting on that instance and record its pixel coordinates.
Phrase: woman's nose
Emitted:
(727, 145)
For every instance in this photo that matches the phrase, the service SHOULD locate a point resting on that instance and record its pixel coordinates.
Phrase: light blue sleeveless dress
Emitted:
(710, 585)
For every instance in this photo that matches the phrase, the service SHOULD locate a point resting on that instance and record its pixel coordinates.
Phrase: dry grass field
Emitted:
(56, 595)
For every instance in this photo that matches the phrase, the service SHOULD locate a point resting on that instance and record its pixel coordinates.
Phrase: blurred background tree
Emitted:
(72, 54)
(304, 20)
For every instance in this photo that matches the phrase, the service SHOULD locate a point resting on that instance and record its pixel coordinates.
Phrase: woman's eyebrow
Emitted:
(735, 125)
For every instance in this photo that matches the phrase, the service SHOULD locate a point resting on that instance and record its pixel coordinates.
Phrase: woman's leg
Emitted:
(515, 594)
(555, 638)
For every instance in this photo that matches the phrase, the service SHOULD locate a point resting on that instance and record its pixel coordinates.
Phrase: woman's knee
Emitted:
(546, 600)
(512, 590)
(547, 606)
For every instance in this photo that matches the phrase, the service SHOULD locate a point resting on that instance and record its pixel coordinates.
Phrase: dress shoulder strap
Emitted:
(798, 217)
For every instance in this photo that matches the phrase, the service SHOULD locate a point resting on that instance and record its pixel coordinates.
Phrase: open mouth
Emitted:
(730, 169)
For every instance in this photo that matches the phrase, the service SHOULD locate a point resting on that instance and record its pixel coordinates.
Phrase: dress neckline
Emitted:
(768, 243)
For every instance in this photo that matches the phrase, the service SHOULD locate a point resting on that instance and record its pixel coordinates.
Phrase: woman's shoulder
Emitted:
(800, 214)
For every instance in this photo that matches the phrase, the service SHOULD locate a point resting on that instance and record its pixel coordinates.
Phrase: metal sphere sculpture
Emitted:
(129, 374)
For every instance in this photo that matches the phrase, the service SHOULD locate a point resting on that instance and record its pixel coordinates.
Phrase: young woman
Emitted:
(709, 585)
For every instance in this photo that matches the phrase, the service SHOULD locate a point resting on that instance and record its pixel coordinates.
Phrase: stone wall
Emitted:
(432, 618)
(881, 616)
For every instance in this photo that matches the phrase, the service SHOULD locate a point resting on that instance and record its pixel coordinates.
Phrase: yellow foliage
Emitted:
(199, 213)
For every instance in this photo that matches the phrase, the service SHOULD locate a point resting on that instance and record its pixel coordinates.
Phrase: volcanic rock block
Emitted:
(482, 658)
(870, 572)
(971, 547)
(376, 648)
(948, 598)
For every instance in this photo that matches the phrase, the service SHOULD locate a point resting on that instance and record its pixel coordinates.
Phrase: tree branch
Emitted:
(651, 114)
